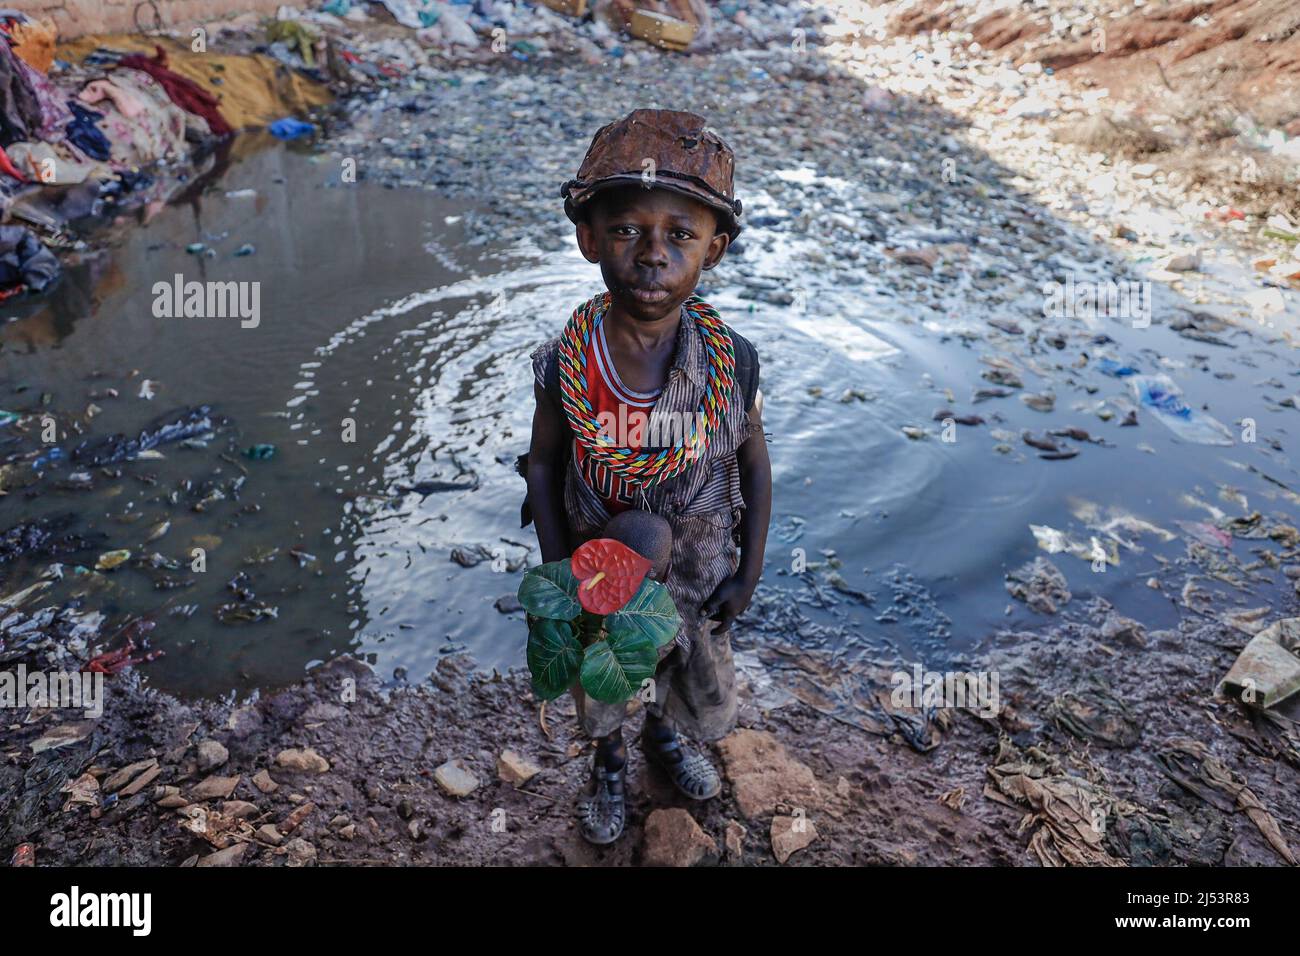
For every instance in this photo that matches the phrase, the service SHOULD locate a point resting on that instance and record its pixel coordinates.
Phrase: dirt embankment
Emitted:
(1090, 761)
(1247, 50)
(1206, 89)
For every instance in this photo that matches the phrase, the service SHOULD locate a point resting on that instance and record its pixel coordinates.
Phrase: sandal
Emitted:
(690, 771)
(601, 814)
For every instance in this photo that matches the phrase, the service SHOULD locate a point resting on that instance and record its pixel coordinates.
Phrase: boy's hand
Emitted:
(728, 600)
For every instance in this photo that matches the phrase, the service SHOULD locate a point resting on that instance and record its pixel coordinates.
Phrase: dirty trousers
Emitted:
(695, 684)
(697, 696)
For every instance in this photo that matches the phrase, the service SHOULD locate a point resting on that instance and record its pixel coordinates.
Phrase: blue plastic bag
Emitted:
(290, 128)
(1161, 395)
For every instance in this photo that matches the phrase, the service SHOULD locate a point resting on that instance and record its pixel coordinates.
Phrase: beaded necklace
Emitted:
(645, 468)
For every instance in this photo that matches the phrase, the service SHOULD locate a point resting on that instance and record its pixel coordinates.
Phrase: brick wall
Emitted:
(78, 17)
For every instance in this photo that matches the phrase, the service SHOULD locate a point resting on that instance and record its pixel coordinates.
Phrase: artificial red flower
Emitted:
(608, 573)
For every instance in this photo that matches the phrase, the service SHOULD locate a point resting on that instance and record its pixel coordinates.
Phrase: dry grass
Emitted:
(1125, 137)
(1254, 182)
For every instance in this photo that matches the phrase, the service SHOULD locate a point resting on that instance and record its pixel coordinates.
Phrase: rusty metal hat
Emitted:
(688, 158)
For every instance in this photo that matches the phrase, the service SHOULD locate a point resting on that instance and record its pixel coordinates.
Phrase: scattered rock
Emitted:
(299, 853)
(790, 835)
(141, 782)
(214, 788)
(306, 760)
(1186, 262)
(294, 819)
(263, 782)
(735, 839)
(456, 779)
(120, 778)
(239, 809)
(230, 856)
(673, 838)
(516, 770)
(763, 774)
(1123, 630)
(267, 833)
(926, 257)
(508, 604)
(212, 755)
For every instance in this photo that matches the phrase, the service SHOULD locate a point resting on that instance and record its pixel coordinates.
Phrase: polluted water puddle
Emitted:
(363, 497)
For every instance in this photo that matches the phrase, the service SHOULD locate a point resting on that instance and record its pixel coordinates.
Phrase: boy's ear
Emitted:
(717, 249)
(587, 241)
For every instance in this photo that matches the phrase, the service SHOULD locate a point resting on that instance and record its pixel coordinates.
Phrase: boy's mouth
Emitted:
(649, 295)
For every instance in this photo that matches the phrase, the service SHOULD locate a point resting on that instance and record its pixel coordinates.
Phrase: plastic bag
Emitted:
(1161, 395)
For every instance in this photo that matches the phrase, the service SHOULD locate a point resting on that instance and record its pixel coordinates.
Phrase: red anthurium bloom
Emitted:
(608, 573)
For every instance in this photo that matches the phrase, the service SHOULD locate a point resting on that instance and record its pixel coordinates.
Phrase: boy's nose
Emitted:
(653, 250)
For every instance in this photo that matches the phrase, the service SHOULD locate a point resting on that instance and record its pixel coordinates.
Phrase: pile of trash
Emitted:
(100, 122)
(92, 132)
(324, 39)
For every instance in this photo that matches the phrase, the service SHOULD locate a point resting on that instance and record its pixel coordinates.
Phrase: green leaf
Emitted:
(651, 613)
(613, 670)
(550, 591)
(554, 657)
(589, 627)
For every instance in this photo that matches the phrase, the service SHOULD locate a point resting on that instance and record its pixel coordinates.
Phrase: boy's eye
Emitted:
(681, 235)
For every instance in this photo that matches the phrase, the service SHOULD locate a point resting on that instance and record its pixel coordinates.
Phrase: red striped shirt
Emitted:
(623, 414)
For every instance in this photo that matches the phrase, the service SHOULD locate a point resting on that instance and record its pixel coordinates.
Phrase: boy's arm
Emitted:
(756, 489)
(732, 595)
(545, 478)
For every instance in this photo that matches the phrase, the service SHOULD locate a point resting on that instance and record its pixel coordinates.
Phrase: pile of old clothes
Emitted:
(184, 92)
(24, 261)
(89, 130)
(123, 112)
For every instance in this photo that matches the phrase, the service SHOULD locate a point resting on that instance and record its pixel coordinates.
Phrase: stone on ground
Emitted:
(763, 774)
(673, 838)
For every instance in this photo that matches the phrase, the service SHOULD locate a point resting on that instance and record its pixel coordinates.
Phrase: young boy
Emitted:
(648, 429)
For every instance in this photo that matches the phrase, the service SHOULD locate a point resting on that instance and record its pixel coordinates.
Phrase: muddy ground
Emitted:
(875, 783)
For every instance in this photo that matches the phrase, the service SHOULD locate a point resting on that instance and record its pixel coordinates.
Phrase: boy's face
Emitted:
(652, 245)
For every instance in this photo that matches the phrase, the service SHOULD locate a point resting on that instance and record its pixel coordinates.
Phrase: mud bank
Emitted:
(1087, 762)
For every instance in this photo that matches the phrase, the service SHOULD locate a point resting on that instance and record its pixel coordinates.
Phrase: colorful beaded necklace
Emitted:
(643, 468)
